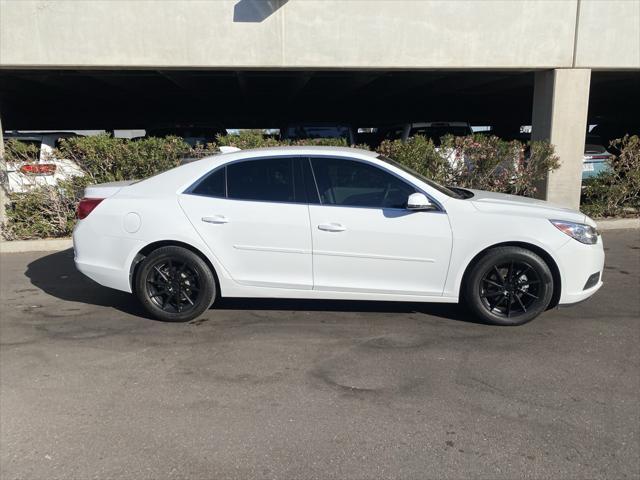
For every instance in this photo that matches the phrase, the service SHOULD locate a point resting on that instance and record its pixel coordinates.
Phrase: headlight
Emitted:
(581, 232)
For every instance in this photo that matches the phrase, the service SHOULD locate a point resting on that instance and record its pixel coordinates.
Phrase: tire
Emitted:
(508, 286)
(174, 284)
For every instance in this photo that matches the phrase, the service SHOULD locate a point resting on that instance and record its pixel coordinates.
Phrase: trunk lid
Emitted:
(105, 190)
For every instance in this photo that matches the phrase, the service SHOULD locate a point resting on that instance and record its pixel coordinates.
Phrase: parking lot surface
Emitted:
(91, 388)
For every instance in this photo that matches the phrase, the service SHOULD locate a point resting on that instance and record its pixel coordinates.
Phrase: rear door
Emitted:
(254, 216)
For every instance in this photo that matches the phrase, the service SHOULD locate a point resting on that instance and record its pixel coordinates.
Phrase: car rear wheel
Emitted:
(508, 286)
(174, 284)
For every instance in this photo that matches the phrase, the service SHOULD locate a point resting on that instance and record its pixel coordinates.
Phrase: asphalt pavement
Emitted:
(92, 388)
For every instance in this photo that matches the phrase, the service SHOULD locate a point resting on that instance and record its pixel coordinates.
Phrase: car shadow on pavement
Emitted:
(448, 311)
(56, 275)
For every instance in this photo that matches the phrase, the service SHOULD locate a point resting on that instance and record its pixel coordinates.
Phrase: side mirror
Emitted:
(419, 202)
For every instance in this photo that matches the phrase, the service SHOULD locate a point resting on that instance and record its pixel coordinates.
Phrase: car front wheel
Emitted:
(508, 286)
(174, 284)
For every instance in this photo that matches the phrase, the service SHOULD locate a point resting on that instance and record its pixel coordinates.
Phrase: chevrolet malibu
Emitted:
(331, 223)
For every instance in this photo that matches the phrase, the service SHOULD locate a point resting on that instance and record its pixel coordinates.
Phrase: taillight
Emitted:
(38, 169)
(86, 206)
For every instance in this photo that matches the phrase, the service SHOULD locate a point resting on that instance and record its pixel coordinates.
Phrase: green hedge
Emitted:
(482, 162)
(108, 159)
(477, 161)
(616, 192)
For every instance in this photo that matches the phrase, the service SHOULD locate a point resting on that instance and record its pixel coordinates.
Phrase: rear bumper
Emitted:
(103, 258)
(106, 276)
(578, 262)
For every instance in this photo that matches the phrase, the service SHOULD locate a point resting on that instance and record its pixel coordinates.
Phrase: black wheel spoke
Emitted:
(499, 302)
(491, 282)
(524, 309)
(491, 294)
(186, 296)
(173, 285)
(159, 293)
(510, 288)
(176, 296)
(162, 275)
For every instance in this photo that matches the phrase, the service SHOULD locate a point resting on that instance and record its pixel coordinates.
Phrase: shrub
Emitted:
(107, 159)
(616, 192)
(17, 151)
(420, 154)
(45, 211)
(477, 161)
(247, 139)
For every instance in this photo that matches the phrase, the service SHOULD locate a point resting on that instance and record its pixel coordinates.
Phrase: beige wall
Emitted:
(600, 43)
(321, 33)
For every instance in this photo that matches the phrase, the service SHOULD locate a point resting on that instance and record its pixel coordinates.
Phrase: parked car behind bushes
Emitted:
(32, 160)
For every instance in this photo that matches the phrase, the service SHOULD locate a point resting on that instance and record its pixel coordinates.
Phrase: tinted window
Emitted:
(269, 180)
(212, 185)
(357, 184)
(435, 133)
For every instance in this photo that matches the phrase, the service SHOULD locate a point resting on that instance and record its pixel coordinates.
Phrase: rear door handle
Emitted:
(332, 227)
(217, 219)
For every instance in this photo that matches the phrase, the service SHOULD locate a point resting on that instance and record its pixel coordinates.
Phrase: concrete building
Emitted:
(105, 64)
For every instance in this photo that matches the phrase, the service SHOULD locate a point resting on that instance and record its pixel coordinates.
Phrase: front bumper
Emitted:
(577, 263)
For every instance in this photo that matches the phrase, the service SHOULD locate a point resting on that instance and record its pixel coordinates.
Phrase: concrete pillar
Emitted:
(3, 170)
(560, 104)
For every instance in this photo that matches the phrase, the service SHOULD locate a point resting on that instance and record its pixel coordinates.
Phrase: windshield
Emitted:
(447, 191)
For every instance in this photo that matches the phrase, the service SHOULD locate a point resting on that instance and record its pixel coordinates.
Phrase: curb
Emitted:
(618, 223)
(23, 246)
(57, 244)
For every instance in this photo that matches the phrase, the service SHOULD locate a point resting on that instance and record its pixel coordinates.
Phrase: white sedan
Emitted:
(331, 223)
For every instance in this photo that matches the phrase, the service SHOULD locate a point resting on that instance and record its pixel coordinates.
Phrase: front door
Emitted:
(364, 240)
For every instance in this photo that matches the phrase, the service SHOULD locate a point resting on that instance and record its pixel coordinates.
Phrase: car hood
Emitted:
(492, 201)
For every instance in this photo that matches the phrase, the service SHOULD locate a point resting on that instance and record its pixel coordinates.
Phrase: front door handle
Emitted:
(217, 219)
(332, 227)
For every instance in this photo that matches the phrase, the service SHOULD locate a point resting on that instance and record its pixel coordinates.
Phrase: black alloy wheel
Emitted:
(508, 286)
(509, 289)
(175, 284)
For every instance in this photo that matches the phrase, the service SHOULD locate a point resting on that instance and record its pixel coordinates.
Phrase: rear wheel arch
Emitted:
(541, 252)
(147, 249)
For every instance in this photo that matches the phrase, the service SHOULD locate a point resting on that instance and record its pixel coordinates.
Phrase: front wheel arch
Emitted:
(147, 249)
(548, 259)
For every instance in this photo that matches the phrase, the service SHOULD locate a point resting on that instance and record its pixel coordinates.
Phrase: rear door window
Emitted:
(268, 180)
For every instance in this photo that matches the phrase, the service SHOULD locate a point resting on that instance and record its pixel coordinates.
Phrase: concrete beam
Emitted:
(560, 106)
(377, 34)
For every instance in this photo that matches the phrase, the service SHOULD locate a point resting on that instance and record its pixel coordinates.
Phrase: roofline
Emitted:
(292, 150)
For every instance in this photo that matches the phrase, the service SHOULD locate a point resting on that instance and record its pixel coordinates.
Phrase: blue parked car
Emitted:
(596, 158)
